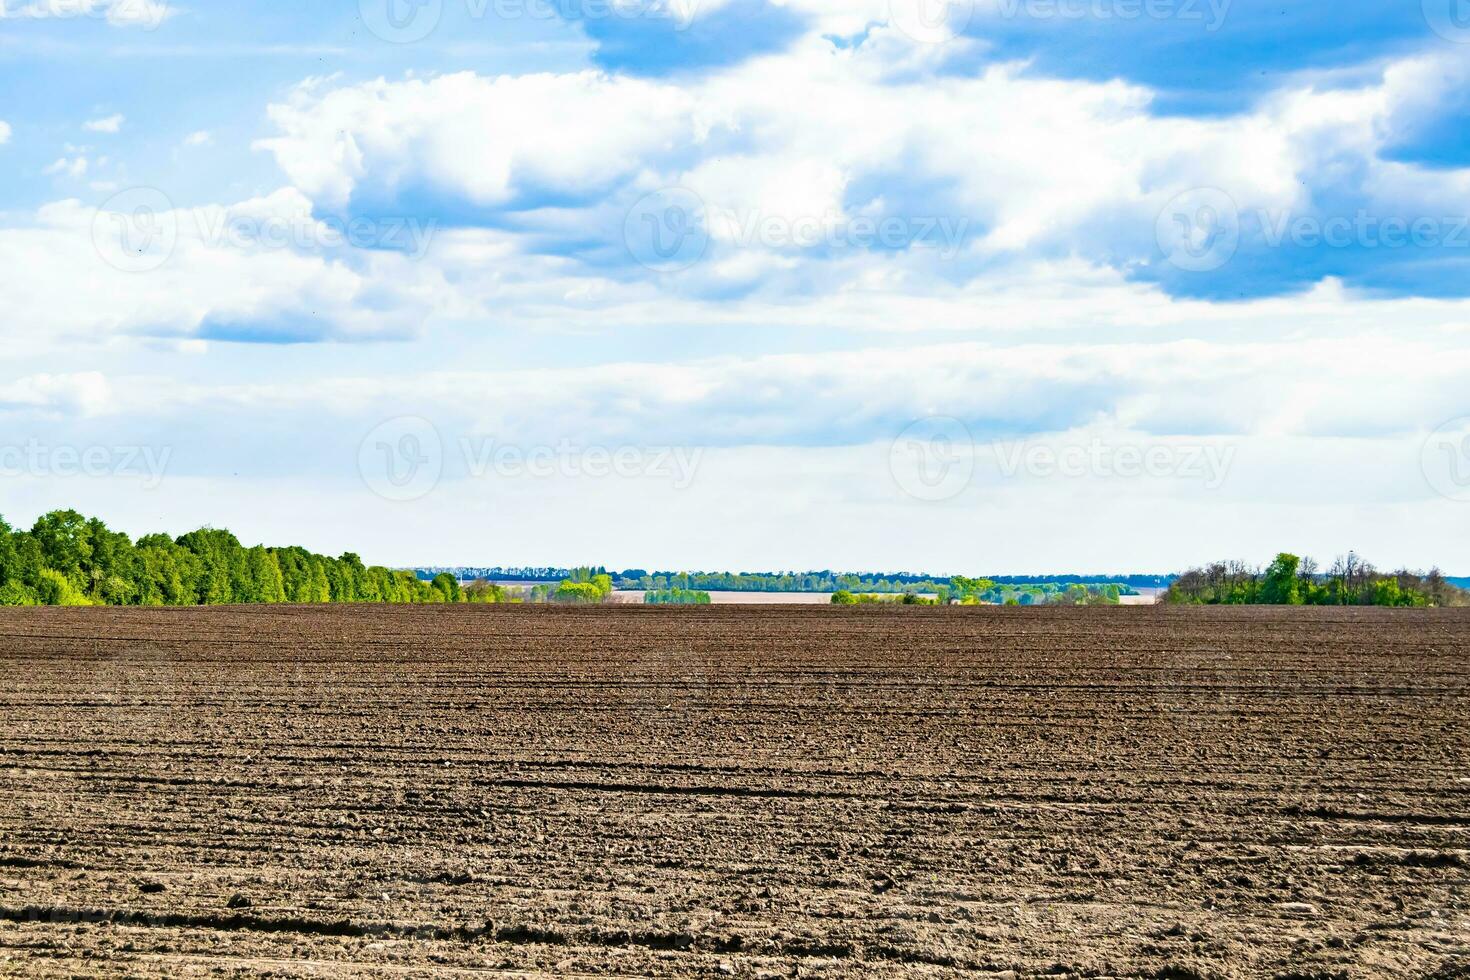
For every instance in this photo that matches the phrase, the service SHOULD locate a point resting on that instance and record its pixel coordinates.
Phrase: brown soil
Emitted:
(720, 791)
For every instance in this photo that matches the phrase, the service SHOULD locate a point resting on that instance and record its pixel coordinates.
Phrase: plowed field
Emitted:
(725, 791)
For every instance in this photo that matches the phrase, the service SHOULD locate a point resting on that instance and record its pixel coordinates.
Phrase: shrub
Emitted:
(16, 594)
(55, 589)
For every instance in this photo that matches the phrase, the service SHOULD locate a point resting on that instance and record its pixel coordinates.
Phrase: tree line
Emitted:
(988, 592)
(824, 581)
(676, 597)
(67, 559)
(1294, 581)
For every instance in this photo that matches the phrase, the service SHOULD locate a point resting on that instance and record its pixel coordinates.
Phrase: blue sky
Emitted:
(874, 266)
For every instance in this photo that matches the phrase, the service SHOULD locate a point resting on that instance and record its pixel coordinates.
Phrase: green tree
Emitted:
(263, 573)
(221, 565)
(578, 593)
(447, 586)
(66, 547)
(1281, 586)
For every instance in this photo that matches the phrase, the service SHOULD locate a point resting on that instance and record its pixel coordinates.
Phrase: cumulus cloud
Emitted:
(262, 269)
(1274, 461)
(83, 394)
(73, 167)
(4, 132)
(107, 124)
(1011, 164)
(1181, 389)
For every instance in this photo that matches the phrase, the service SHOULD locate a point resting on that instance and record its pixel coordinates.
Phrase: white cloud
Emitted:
(4, 132)
(85, 393)
(261, 268)
(107, 124)
(201, 138)
(824, 425)
(1030, 165)
(73, 167)
(1012, 526)
(484, 138)
(1181, 389)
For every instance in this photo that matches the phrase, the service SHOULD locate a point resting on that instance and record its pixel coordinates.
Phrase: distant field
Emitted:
(822, 792)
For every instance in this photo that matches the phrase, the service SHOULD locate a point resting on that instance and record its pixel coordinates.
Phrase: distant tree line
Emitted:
(818, 581)
(844, 598)
(499, 573)
(825, 581)
(1130, 583)
(67, 559)
(1058, 594)
(984, 591)
(676, 597)
(1294, 581)
(581, 587)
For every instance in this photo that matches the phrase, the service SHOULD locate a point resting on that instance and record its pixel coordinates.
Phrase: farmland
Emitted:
(715, 791)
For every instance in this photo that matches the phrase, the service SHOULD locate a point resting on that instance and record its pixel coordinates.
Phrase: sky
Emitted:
(952, 286)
